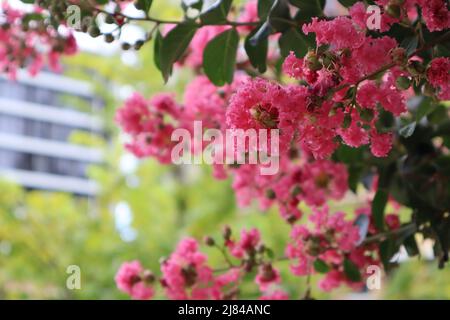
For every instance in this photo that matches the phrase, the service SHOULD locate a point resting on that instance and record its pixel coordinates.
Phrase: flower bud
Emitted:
(94, 31)
(209, 241)
(399, 56)
(394, 10)
(109, 38)
(138, 45)
(415, 68)
(428, 90)
(403, 83)
(312, 62)
(148, 277)
(126, 46)
(109, 19)
(226, 232)
(270, 194)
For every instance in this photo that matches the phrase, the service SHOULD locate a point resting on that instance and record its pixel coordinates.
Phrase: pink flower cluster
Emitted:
(435, 13)
(313, 182)
(186, 274)
(146, 121)
(439, 76)
(131, 279)
(332, 240)
(31, 44)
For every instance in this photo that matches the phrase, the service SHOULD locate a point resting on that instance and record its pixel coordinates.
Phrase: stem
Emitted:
(384, 235)
(162, 21)
(225, 256)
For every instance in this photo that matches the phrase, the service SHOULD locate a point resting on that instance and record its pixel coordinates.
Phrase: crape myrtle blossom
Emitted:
(30, 43)
(344, 87)
(132, 279)
(328, 245)
(341, 89)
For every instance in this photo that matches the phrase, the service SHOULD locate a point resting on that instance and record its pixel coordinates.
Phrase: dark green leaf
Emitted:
(387, 250)
(157, 47)
(219, 57)
(351, 271)
(217, 13)
(308, 9)
(411, 246)
(347, 3)
(293, 40)
(279, 16)
(426, 106)
(320, 266)
(264, 7)
(173, 46)
(378, 206)
(256, 49)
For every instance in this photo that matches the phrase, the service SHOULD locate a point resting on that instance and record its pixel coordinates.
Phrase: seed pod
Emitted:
(94, 31)
(209, 241)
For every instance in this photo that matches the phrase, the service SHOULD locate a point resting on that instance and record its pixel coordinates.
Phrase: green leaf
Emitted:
(411, 246)
(347, 3)
(308, 9)
(173, 45)
(279, 15)
(264, 7)
(351, 271)
(219, 57)
(387, 250)
(256, 49)
(378, 206)
(293, 40)
(157, 47)
(217, 13)
(426, 106)
(270, 253)
(320, 266)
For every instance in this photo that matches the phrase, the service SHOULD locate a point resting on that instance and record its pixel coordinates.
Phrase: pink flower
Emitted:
(439, 77)
(134, 117)
(147, 123)
(33, 48)
(249, 14)
(435, 14)
(293, 66)
(185, 273)
(381, 143)
(339, 32)
(260, 104)
(129, 280)
(267, 277)
(354, 136)
(247, 244)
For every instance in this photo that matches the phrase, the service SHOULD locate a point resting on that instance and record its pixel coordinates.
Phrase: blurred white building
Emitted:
(37, 116)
